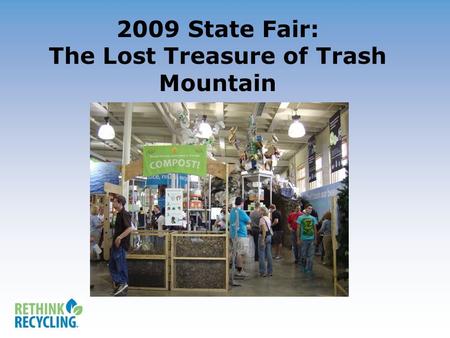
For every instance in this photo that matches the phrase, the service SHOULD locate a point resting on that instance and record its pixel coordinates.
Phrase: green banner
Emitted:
(179, 159)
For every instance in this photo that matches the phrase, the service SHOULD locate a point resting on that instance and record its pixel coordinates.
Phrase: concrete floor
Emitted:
(287, 280)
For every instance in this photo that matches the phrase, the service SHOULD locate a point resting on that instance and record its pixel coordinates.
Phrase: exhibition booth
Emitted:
(188, 247)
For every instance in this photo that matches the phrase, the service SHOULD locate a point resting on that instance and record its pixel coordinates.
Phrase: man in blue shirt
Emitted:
(306, 235)
(239, 237)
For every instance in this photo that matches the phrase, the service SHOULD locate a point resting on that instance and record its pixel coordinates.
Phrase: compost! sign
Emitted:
(180, 159)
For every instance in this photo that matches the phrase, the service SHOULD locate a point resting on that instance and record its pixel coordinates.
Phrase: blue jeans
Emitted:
(308, 249)
(294, 245)
(265, 252)
(118, 265)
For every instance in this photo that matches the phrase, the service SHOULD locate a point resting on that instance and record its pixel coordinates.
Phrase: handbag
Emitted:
(268, 227)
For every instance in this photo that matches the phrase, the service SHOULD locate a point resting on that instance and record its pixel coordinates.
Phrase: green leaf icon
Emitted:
(77, 310)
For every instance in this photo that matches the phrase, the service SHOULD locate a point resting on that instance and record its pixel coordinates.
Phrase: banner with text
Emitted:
(180, 159)
(312, 159)
(336, 142)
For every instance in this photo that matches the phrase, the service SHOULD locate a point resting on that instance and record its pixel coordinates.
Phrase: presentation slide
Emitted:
(240, 168)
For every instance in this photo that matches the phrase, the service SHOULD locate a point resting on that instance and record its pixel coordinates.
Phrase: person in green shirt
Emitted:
(306, 235)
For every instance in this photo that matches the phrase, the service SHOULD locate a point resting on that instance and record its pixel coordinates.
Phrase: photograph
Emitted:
(219, 199)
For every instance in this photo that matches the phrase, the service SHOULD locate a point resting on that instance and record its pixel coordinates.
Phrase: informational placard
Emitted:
(336, 142)
(174, 207)
(312, 159)
(178, 158)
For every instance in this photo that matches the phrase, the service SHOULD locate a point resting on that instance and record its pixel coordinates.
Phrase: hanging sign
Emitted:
(336, 142)
(174, 207)
(312, 159)
(167, 180)
(180, 159)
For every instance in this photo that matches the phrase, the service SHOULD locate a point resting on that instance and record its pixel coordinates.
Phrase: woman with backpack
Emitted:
(265, 244)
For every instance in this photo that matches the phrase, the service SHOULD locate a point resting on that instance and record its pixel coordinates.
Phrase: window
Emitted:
(301, 178)
(319, 181)
(340, 174)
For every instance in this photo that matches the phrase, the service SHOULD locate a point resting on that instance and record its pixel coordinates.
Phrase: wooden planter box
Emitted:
(148, 260)
(199, 261)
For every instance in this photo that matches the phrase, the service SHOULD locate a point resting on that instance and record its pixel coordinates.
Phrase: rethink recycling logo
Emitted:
(47, 315)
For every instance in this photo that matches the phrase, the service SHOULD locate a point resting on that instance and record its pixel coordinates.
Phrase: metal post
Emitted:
(174, 141)
(242, 187)
(209, 203)
(227, 240)
(259, 188)
(270, 190)
(126, 151)
(188, 216)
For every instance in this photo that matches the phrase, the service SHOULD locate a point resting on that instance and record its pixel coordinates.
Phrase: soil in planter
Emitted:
(199, 246)
(146, 273)
(192, 274)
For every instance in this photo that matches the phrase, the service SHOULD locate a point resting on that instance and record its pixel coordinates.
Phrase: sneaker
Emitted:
(115, 288)
(242, 274)
(262, 275)
(277, 257)
(121, 289)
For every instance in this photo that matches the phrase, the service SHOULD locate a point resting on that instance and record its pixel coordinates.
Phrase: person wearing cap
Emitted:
(239, 223)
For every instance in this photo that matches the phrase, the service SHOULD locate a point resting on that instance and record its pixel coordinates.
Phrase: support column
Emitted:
(126, 151)
(174, 141)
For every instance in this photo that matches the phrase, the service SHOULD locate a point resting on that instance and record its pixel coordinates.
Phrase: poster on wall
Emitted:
(174, 207)
(336, 142)
(312, 159)
(175, 159)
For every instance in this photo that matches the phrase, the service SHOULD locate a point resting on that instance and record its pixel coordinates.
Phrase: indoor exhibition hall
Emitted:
(219, 199)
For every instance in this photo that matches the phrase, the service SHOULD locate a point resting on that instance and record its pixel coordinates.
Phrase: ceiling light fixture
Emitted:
(106, 131)
(296, 129)
(204, 129)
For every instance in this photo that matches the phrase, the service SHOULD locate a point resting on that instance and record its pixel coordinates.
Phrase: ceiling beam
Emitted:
(267, 136)
(220, 118)
(259, 109)
(236, 160)
(143, 131)
(116, 139)
(167, 118)
(134, 137)
(98, 156)
(273, 122)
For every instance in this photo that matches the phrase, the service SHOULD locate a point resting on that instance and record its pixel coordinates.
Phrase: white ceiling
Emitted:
(156, 122)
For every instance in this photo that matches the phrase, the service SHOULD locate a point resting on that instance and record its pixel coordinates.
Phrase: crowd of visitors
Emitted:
(309, 237)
